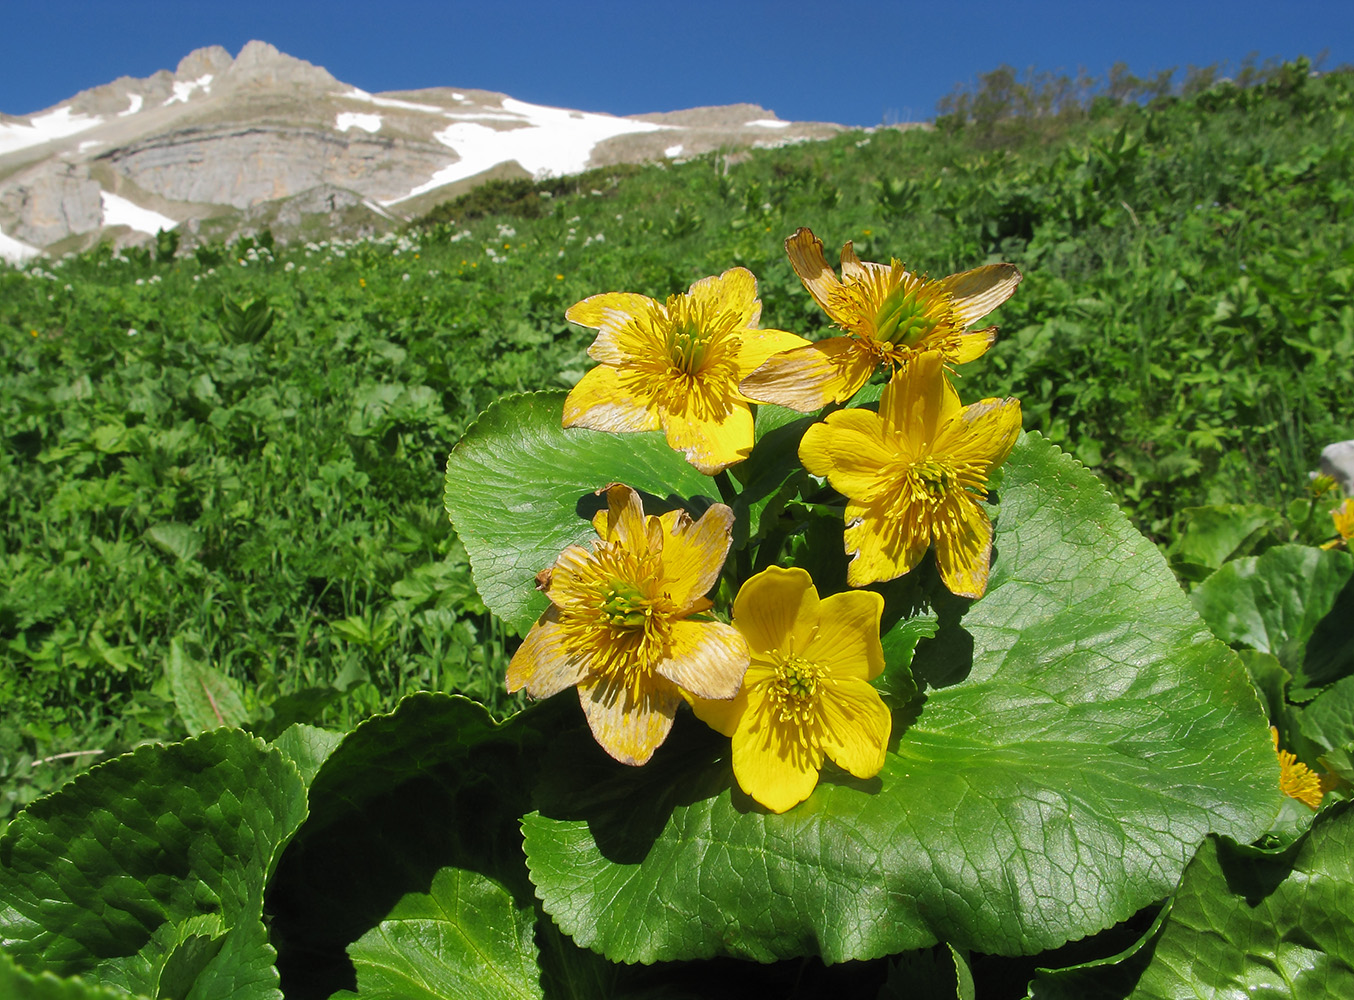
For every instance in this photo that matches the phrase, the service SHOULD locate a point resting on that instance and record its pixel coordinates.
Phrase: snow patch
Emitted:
(356, 119)
(457, 97)
(768, 123)
(88, 144)
(379, 210)
(44, 128)
(551, 142)
(16, 252)
(672, 151)
(390, 102)
(184, 89)
(121, 212)
(137, 101)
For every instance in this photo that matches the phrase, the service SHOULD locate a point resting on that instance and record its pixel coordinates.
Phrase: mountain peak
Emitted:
(209, 61)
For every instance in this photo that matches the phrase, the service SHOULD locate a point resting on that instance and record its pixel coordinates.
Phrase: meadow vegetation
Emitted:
(230, 459)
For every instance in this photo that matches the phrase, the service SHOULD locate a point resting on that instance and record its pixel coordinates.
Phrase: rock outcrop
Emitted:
(254, 134)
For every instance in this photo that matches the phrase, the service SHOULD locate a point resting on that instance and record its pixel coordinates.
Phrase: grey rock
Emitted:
(1337, 461)
(50, 201)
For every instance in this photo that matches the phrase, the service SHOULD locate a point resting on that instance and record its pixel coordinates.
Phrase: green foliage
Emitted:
(223, 499)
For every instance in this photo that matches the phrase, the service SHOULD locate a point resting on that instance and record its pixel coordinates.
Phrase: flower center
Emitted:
(933, 478)
(624, 605)
(687, 346)
(794, 689)
(909, 314)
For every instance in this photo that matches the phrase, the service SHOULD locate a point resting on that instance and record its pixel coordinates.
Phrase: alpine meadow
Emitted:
(609, 586)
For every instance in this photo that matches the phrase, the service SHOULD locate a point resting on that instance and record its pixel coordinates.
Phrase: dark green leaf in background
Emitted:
(148, 872)
(1088, 735)
(204, 696)
(1254, 924)
(519, 489)
(16, 984)
(464, 938)
(1275, 602)
(1212, 535)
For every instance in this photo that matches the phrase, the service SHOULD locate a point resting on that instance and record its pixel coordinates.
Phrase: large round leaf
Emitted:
(520, 487)
(1083, 734)
(1244, 923)
(148, 872)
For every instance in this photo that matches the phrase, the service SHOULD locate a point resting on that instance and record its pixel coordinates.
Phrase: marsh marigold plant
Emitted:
(912, 475)
(806, 695)
(675, 366)
(622, 624)
(891, 316)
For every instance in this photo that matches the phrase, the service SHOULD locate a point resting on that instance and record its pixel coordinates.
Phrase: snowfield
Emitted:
(121, 212)
(550, 142)
(44, 128)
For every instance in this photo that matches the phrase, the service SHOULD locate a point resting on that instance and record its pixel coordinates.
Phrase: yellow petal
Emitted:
(628, 729)
(720, 714)
(856, 726)
(755, 346)
(847, 642)
(918, 400)
(808, 378)
(597, 309)
(973, 344)
(732, 295)
(985, 432)
(963, 555)
(852, 268)
(712, 434)
(771, 765)
(604, 401)
(625, 518)
(979, 291)
(706, 658)
(851, 448)
(884, 548)
(541, 664)
(806, 257)
(774, 607)
(694, 553)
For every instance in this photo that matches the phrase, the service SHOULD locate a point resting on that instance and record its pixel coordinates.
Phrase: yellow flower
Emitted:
(1343, 516)
(910, 474)
(676, 365)
(806, 694)
(890, 315)
(1296, 779)
(619, 624)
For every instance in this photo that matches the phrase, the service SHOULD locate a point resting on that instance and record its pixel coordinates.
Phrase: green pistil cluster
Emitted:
(687, 346)
(794, 689)
(903, 319)
(625, 606)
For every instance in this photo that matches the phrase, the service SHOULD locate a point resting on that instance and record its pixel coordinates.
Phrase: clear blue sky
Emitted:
(853, 63)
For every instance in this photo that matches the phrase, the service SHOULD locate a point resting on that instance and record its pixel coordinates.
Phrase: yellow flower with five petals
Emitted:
(676, 366)
(806, 694)
(621, 625)
(912, 474)
(891, 316)
(1343, 518)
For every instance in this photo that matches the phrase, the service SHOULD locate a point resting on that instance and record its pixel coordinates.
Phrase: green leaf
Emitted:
(433, 791)
(16, 984)
(1274, 602)
(940, 973)
(1253, 923)
(520, 488)
(463, 938)
(1212, 535)
(1109, 978)
(204, 696)
(182, 541)
(308, 748)
(1082, 734)
(149, 870)
(1329, 720)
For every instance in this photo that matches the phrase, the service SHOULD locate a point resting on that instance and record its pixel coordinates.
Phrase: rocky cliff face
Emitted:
(256, 134)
